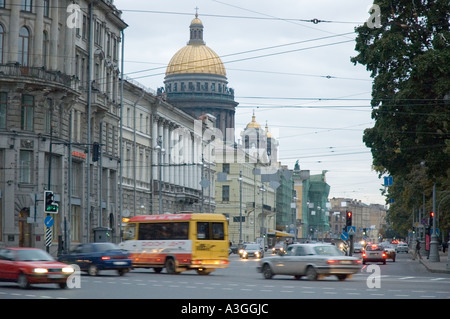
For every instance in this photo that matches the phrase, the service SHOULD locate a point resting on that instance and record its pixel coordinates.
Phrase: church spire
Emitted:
(196, 29)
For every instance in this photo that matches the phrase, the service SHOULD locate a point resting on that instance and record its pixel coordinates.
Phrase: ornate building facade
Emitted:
(59, 93)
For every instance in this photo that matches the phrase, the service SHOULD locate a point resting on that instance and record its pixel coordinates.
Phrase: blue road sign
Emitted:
(344, 236)
(351, 229)
(48, 221)
(388, 181)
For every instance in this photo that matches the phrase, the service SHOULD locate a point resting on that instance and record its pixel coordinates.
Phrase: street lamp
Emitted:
(240, 209)
(161, 151)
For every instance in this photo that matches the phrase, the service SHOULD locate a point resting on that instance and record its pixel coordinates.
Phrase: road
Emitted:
(404, 279)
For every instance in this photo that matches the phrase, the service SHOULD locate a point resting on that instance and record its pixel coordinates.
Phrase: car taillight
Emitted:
(106, 258)
(364, 254)
(384, 255)
(331, 261)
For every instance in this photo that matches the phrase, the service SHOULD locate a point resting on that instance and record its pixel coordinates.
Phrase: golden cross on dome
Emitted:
(196, 12)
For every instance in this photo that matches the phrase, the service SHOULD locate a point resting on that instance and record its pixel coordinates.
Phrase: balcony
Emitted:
(19, 73)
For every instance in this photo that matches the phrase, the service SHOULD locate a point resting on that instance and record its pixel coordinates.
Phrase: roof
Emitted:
(195, 58)
(176, 217)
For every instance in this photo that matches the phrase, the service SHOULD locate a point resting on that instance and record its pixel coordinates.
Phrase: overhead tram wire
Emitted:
(247, 51)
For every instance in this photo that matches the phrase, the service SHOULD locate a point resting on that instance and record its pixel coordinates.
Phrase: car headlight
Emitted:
(40, 270)
(68, 270)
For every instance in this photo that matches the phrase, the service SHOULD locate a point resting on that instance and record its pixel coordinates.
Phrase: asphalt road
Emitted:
(403, 279)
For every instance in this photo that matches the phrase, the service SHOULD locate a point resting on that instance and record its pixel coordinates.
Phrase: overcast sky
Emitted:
(294, 74)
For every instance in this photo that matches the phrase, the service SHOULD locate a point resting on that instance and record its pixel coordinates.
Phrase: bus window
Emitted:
(217, 231)
(163, 231)
(214, 231)
(202, 230)
(130, 232)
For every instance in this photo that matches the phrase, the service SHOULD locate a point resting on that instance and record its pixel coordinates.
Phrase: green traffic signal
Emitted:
(50, 205)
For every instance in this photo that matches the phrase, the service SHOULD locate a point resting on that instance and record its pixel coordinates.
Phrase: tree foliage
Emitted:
(409, 61)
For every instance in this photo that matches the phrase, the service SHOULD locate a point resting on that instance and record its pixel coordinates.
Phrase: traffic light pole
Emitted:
(434, 250)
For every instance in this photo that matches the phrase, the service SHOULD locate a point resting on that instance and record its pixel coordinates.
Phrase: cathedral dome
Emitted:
(253, 123)
(196, 57)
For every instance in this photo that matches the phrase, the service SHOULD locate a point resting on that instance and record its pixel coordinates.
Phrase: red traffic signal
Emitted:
(348, 220)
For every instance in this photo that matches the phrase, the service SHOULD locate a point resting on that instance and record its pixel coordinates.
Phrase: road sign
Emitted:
(437, 231)
(388, 181)
(48, 221)
(344, 236)
(351, 229)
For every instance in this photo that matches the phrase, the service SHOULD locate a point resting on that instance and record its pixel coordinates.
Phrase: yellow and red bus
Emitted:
(178, 242)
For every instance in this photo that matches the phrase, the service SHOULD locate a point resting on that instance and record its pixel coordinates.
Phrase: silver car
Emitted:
(311, 261)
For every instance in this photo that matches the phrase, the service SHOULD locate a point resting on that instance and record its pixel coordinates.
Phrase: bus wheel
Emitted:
(170, 266)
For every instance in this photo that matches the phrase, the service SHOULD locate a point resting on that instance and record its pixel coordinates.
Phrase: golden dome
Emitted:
(253, 123)
(196, 58)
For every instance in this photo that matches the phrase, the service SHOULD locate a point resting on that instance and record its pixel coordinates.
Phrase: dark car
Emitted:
(28, 266)
(93, 257)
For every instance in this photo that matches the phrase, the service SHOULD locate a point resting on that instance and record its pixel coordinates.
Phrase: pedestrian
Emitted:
(444, 246)
(417, 251)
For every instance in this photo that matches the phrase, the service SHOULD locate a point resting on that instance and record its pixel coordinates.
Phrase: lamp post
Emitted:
(160, 150)
(434, 252)
(240, 209)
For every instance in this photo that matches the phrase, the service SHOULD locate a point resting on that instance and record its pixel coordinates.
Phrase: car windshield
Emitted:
(33, 255)
(327, 250)
(252, 247)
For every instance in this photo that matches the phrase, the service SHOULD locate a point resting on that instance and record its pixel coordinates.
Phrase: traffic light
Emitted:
(50, 205)
(431, 219)
(95, 151)
(348, 218)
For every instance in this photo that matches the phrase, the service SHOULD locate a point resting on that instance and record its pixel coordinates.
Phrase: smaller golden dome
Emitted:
(196, 21)
(268, 134)
(253, 123)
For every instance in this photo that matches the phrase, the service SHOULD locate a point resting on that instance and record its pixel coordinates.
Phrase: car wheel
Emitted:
(62, 285)
(122, 271)
(170, 266)
(311, 273)
(267, 271)
(92, 270)
(384, 262)
(23, 282)
(341, 277)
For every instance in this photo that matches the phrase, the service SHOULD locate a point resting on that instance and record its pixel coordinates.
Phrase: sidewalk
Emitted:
(437, 267)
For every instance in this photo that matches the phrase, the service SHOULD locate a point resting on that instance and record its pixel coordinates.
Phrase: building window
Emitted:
(2, 33)
(226, 168)
(2, 3)
(45, 46)
(46, 8)
(27, 5)
(27, 112)
(24, 43)
(225, 193)
(3, 108)
(26, 167)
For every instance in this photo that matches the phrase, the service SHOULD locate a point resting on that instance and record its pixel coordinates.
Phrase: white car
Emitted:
(402, 248)
(311, 261)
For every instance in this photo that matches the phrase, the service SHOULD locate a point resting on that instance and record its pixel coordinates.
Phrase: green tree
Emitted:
(409, 60)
